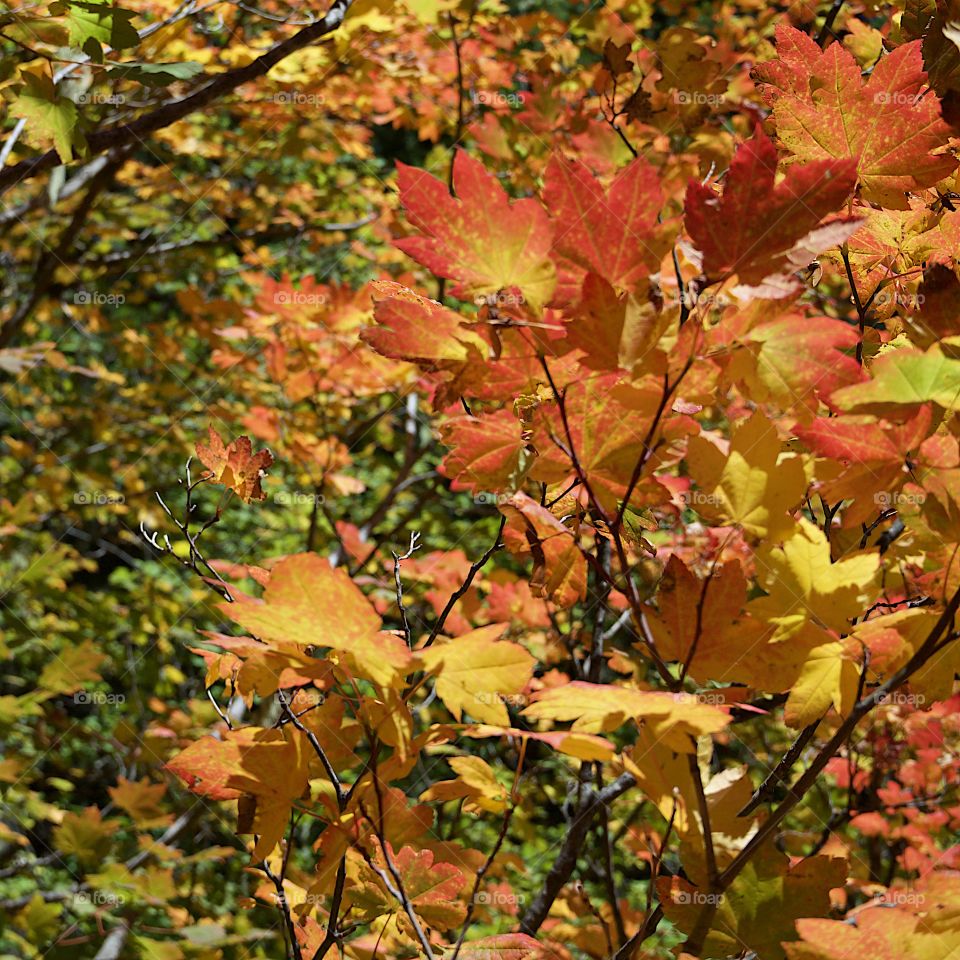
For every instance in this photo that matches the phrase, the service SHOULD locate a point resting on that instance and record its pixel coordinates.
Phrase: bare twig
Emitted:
(475, 568)
(397, 561)
(295, 952)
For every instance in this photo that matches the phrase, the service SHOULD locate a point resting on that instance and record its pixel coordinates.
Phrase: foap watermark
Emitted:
(485, 498)
(691, 299)
(507, 699)
(115, 99)
(299, 99)
(97, 698)
(100, 898)
(499, 898)
(893, 499)
(698, 98)
(911, 301)
(698, 898)
(709, 698)
(97, 498)
(302, 699)
(897, 98)
(897, 698)
(299, 298)
(315, 899)
(500, 299)
(699, 498)
(94, 298)
(902, 898)
(493, 98)
(294, 498)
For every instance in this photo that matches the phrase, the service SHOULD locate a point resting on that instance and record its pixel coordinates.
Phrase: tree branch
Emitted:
(566, 860)
(142, 127)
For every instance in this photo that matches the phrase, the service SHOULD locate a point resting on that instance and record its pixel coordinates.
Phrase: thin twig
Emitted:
(397, 561)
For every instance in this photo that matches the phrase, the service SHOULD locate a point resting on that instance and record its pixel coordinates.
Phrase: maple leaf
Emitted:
(101, 22)
(596, 707)
(795, 360)
(40, 920)
(477, 672)
(236, 466)
(310, 603)
(872, 454)
(752, 485)
(487, 452)
(432, 887)
(757, 912)
(476, 783)
(478, 237)
(583, 746)
(889, 126)
(265, 769)
(880, 933)
(609, 420)
(86, 835)
(616, 57)
(891, 242)
(503, 946)
(938, 297)
(412, 327)
(614, 232)
(828, 678)
(75, 668)
(757, 227)
(618, 330)
(140, 799)
(53, 118)
(803, 584)
(559, 567)
(698, 618)
(904, 377)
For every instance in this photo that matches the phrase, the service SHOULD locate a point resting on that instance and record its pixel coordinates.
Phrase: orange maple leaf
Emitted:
(236, 466)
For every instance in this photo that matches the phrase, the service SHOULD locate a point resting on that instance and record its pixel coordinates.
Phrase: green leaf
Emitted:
(905, 376)
(98, 22)
(51, 117)
(759, 909)
(156, 74)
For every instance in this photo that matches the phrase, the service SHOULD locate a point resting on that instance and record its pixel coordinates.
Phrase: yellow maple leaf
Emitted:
(753, 486)
(478, 673)
(476, 783)
(310, 603)
(803, 585)
(829, 677)
(675, 718)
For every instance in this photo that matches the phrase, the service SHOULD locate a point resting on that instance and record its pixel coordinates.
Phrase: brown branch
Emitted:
(766, 789)
(295, 952)
(317, 749)
(861, 309)
(606, 842)
(475, 568)
(141, 128)
(396, 888)
(481, 873)
(627, 951)
(704, 810)
(280, 231)
(826, 30)
(52, 257)
(566, 860)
